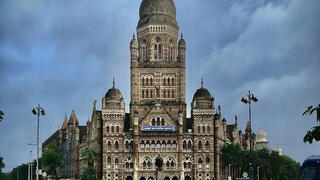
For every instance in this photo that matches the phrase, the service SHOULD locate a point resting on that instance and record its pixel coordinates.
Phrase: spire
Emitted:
(181, 35)
(73, 118)
(113, 83)
(236, 120)
(65, 116)
(134, 36)
(201, 82)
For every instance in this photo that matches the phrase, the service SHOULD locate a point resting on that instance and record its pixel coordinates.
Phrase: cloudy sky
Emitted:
(63, 55)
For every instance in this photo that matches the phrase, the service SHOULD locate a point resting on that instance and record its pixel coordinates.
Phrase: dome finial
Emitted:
(113, 83)
(201, 82)
(181, 35)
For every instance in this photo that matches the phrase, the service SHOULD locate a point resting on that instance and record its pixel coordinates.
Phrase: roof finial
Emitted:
(134, 36)
(113, 83)
(181, 35)
(201, 82)
(65, 116)
(236, 120)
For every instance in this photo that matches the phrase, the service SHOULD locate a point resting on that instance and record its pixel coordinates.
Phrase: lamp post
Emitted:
(38, 111)
(247, 100)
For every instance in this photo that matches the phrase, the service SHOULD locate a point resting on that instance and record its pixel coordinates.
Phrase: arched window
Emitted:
(207, 159)
(109, 145)
(164, 81)
(184, 144)
(142, 144)
(148, 144)
(116, 145)
(117, 129)
(143, 52)
(163, 144)
(208, 129)
(174, 144)
(112, 129)
(158, 49)
(172, 81)
(142, 81)
(108, 129)
(144, 164)
(172, 94)
(199, 145)
(164, 93)
(200, 161)
(163, 123)
(153, 144)
(151, 81)
(147, 95)
(127, 145)
(131, 165)
(203, 129)
(158, 121)
(158, 144)
(131, 145)
(127, 165)
(168, 81)
(189, 144)
(109, 160)
(169, 145)
(116, 161)
(207, 144)
(199, 129)
(153, 122)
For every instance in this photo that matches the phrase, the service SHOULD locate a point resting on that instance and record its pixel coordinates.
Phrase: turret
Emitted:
(182, 49)
(134, 46)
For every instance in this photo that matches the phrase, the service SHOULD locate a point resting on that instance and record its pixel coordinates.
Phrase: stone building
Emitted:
(157, 124)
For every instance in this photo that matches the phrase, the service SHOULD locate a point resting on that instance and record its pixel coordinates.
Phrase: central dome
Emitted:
(149, 7)
(157, 12)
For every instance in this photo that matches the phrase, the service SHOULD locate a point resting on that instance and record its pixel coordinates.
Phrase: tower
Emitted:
(157, 63)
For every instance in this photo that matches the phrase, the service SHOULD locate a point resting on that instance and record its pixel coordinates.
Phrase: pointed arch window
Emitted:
(109, 160)
(109, 145)
(184, 144)
(116, 145)
(199, 145)
(158, 49)
(143, 51)
(171, 51)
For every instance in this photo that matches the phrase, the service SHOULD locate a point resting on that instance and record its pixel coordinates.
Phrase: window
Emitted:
(158, 49)
(142, 145)
(116, 161)
(207, 144)
(189, 144)
(108, 129)
(203, 129)
(184, 145)
(142, 93)
(143, 51)
(207, 159)
(109, 145)
(117, 129)
(172, 94)
(109, 160)
(172, 81)
(153, 122)
(208, 129)
(162, 122)
(112, 129)
(199, 129)
(116, 145)
(142, 81)
(199, 145)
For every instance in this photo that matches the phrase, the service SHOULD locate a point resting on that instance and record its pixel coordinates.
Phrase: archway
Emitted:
(166, 178)
(150, 178)
(142, 178)
(175, 178)
(129, 178)
(187, 178)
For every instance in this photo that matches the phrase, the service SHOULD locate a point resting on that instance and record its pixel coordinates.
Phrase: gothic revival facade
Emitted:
(157, 124)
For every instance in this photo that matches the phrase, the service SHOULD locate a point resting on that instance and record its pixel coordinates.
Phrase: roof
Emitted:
(157, 12)
(113, 94)
(73, 118)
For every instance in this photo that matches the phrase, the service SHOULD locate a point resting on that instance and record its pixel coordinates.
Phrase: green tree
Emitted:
(90, 156)
(52, 159)
(271, 164)
(314, 132)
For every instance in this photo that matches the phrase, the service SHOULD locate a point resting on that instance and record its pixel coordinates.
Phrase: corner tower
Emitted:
(157, 62)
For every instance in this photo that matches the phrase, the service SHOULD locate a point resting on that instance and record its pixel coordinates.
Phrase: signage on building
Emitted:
(158, 128)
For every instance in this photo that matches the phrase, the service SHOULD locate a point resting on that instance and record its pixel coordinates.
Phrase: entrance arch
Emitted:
(187, 178)
(166, 178)
(175, 178)
(150, 178)
(142, 178)
(129, 178)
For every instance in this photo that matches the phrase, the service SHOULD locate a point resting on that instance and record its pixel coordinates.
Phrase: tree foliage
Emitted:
(314, 132)
(52, 159)
(271, 164)
(90, 156)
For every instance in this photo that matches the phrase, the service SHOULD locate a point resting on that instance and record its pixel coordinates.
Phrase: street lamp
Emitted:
(38, 110)
(247, 100)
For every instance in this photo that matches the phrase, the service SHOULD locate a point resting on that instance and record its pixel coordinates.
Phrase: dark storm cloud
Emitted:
(63, 54)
